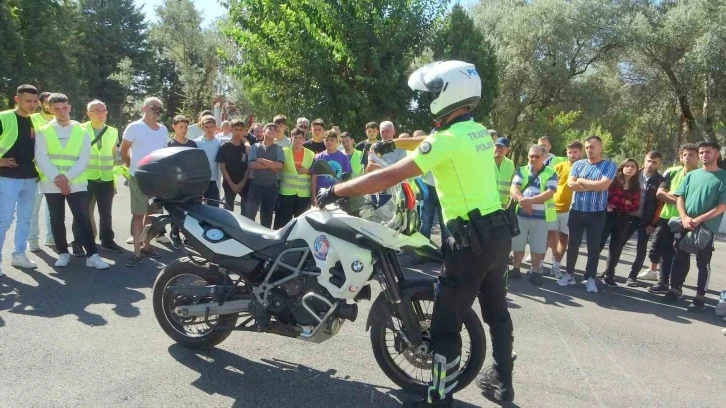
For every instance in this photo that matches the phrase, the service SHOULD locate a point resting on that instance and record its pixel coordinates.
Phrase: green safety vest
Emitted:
(63, 159)
(556, 160)
(292, 182)
(10, 131)
(676, 175)
(504, 173)
(544, 175)
(355, 162)
(100, 164)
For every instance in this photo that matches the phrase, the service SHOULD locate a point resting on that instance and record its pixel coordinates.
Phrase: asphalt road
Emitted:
(77, 337)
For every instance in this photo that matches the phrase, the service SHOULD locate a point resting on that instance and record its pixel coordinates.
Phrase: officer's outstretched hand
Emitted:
(383, 147)
(327, 196)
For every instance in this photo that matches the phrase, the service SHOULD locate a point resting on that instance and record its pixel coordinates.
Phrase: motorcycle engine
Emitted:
(286, 301)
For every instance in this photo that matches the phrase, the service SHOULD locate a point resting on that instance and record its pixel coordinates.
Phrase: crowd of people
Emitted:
(268, 169)
(558, 200)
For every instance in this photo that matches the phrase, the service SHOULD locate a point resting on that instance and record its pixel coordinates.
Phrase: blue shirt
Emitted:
(533, 189)
(591, 201)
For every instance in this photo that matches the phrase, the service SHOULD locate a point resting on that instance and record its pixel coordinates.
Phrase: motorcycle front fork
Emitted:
(391, 278)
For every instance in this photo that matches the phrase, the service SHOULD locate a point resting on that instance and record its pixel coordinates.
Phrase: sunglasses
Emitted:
(157, 109)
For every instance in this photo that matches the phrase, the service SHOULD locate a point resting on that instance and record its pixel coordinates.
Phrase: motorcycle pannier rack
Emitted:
(174, 173)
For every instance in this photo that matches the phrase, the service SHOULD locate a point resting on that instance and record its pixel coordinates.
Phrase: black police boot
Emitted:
(494, 388)
(423, 403)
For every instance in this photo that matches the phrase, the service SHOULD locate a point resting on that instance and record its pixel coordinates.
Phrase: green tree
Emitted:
(195, 52)
(458, 39)
(345, 61)
(110, 31)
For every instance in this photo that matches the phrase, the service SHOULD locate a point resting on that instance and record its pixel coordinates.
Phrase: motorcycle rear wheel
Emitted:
(189, 332)
(471, 359)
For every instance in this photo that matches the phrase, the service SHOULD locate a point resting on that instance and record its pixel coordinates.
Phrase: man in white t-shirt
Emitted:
(141, 138)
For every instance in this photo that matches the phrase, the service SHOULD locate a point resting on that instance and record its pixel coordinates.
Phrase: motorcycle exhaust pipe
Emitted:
(209, 309)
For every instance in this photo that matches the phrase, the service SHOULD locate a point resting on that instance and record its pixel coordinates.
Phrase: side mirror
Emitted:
(322, 167)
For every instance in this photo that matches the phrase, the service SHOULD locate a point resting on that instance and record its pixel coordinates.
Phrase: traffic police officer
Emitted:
(460, 153)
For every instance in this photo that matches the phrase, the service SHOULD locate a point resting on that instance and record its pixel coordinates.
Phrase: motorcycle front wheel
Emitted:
(194, 332)
(412, 371)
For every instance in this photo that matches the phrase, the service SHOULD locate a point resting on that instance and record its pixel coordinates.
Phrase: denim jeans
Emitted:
(34, 219)
(431, 207)
(16, 194)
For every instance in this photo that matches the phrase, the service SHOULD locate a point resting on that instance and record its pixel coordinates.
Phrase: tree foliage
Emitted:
(345, 61)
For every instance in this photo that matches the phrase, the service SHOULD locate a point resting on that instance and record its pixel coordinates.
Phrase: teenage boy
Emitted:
(563, 200)
(62, 152)
(337, 160)
(356, 156)
(210, 143)
(180, 125)
(701, 202)
(663, 238)
(265, 163)
(371, 138)
(295, 186)
(232, 159)
(649, 180)
(280, 139)
(18, 174)
(316, 144)
(40, 119)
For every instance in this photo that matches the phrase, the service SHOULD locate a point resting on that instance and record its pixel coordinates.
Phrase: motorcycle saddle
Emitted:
(242, 229)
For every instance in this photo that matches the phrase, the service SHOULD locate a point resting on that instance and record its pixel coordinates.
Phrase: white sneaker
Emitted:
(22, 261)
(591, 285)
(555, 272)
(130, 240)
(63, 260)
(648, 275)
(163, 239)
(566, 279)
(33, 246)
(95, 261)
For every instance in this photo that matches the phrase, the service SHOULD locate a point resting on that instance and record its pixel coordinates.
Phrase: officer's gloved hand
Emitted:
(383, 147)
(327, 196)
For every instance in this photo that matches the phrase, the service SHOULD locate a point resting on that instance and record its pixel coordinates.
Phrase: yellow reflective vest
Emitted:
(355, 162)
(100, 164)
(64, 158)
(292, 182)
(544, 175)
(505, 174)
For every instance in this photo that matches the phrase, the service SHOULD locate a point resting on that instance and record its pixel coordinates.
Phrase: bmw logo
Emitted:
(357, 266)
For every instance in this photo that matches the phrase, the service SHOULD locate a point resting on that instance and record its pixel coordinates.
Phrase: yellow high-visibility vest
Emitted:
(100, 164)
(293, 183)
(64, 158)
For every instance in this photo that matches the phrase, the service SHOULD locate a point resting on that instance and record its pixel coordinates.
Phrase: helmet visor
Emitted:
(423, 79)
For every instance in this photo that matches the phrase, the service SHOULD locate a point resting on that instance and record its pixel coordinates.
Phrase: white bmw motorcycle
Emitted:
(302, 281)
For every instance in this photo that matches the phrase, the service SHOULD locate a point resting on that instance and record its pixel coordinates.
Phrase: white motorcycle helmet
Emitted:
(455, 84)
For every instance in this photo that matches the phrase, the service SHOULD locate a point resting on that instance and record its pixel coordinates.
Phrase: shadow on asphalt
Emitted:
(276, 383)
(71, 290)
(636, 300)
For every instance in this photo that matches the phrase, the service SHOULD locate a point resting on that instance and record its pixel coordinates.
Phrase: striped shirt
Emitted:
(533, 189)
(591, 201)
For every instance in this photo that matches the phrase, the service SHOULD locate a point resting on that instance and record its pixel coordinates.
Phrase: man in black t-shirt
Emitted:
(371, 138)
(18, 176)
(232, 159)
(316, 144)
